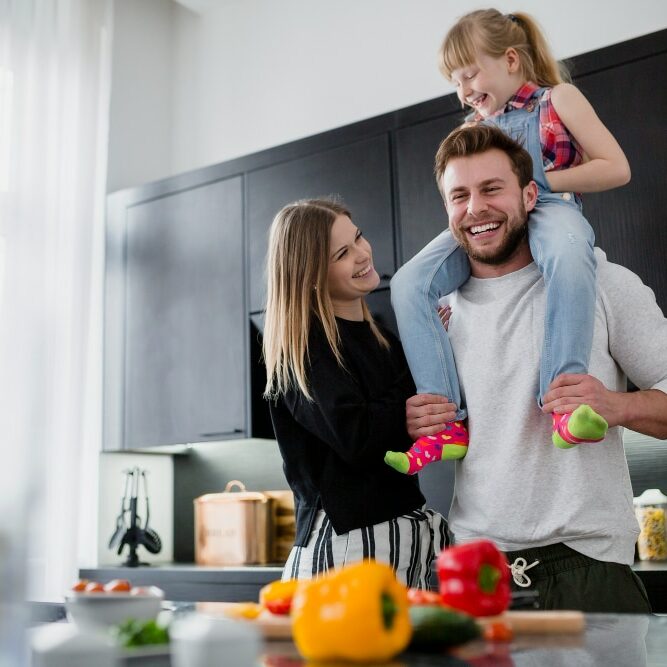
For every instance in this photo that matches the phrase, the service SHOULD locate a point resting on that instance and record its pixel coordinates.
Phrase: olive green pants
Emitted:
(566, 579)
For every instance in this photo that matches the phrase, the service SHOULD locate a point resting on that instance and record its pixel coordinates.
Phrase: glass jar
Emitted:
(650, 510)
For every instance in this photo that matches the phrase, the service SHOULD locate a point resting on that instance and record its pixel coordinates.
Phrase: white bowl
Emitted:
(101, 610)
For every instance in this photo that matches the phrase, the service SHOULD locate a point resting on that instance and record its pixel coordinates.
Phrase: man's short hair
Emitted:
(475, 138)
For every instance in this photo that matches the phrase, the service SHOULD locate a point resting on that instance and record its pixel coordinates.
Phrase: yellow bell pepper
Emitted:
(358, 613)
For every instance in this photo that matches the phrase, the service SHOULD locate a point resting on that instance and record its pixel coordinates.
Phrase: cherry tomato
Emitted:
(118, 586)
(419, 596)
(80, 585)
(94, 587)
(277, 596)
(498, 631)
(280, 607)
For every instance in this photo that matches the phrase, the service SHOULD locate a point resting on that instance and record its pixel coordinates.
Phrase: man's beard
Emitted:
(517, 230)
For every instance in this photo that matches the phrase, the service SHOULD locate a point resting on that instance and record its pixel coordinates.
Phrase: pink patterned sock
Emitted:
(450, 443)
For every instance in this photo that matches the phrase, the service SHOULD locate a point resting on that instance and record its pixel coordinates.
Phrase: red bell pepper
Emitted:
(474, 577)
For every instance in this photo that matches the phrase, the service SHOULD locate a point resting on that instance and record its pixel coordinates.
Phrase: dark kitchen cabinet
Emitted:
(629, 222)
(184, 340)
(421, 211)
(358, 172)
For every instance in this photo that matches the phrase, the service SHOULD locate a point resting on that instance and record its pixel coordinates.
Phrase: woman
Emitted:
(338, 386)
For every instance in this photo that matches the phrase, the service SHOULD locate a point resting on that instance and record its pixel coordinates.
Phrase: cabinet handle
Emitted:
(217, 434)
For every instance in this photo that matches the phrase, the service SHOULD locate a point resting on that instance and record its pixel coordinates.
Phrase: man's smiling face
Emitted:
(487, 207)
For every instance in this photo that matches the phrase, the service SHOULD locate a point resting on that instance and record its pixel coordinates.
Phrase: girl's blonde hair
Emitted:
(297, 268)
(489, 31)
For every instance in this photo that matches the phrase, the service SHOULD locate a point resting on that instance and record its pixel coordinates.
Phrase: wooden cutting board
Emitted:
(540, 622)
(521, 622)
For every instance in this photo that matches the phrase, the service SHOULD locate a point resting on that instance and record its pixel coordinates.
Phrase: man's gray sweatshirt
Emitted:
(514, 486)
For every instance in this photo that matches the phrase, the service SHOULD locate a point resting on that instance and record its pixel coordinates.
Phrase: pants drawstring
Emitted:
(518, 569)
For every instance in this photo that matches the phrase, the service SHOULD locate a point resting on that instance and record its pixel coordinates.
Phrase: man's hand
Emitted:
(569, 391)
(642, 411)
(426, 414)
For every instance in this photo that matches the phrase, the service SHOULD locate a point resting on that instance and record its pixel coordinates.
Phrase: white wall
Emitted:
(250, 74)
(142, 81)
(257, 73)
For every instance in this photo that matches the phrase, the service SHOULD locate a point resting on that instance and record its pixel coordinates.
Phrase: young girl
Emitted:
(338, 386)
(504, 71)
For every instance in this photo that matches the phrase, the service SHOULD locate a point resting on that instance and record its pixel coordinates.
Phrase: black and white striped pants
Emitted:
(408, 543)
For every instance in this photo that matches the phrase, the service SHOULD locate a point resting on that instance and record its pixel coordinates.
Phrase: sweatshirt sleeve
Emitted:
(359, 428)
(637, 327)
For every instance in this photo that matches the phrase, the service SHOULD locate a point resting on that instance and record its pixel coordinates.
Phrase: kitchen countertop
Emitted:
(610, 640)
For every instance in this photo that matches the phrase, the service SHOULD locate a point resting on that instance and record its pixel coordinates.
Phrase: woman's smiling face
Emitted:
(351, 273)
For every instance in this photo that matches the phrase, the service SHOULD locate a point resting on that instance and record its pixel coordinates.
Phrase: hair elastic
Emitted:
(512, 18)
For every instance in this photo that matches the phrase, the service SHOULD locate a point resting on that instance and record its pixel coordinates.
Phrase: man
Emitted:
(563, 517)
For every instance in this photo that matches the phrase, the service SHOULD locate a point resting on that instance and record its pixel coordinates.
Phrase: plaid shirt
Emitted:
(559, 148)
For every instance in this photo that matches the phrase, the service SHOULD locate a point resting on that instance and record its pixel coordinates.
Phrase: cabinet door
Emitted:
(185, 325)
(422, 213)
(629, 222)
(359, 173)
(379, 303)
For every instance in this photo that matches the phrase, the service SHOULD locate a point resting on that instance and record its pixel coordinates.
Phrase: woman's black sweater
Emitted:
(333, 447)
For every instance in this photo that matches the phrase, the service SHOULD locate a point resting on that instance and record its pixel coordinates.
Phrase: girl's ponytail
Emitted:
(491, 32)
(547, 71)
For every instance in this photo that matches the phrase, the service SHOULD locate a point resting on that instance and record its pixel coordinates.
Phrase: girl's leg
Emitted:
(562, 242)
(439, 269)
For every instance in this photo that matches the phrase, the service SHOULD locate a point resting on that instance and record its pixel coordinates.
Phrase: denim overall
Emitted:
(561, 242)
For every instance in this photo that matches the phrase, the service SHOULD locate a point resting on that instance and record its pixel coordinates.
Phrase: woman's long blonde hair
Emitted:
(297, 269)
(489, 31)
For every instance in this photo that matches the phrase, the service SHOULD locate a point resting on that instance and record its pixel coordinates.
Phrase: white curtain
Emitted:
(54, 100)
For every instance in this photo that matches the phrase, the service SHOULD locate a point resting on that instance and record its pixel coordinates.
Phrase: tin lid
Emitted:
(650, 497)
(229, 496)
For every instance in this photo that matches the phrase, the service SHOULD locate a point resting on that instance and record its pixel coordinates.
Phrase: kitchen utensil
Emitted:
(233, 528)
(149, 537)
(132, 534)
(135, 535)
(120, 520)
(140, 537)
